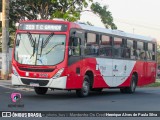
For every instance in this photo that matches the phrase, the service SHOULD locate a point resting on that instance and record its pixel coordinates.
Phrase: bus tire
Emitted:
(40, 90)
(84, 91)
(132, 87)
(123, 90)
(97, 89)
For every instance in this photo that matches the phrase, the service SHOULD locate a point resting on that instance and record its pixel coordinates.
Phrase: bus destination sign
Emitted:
(43, 27)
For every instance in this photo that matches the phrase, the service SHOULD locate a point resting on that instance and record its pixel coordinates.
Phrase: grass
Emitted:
(156, 84)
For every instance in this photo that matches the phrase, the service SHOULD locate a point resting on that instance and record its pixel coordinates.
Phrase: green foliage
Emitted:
(30, 9)
(48, 9)
(156, 84)
(104, 14)
(69, 9)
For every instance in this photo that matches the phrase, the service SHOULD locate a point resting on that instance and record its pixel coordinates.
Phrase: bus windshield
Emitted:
(39, 49)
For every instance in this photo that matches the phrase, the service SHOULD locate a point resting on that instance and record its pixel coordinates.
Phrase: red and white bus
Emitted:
(64, 55)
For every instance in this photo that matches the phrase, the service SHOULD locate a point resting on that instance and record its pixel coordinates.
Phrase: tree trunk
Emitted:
(5, 39)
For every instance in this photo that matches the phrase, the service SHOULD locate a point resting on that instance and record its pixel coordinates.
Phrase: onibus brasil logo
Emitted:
(16, 100)
(16, 97)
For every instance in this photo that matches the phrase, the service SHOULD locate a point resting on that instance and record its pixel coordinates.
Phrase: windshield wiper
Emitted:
(32, 42)
(47, 40)
(34, 48)
(41, 48)
(53, 48)
(44, 43)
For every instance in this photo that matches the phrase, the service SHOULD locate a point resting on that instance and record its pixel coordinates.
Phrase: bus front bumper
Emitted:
(59, 83)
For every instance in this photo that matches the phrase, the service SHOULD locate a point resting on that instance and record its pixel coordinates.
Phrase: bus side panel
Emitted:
(74, 73)
(146, 73)
(75, 80)
(126, 83)
(130, 69)
(140, 68)
(90, 64)
(145, 70)
(151, 72)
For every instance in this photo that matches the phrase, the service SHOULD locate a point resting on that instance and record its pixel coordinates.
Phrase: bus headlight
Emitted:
(15, 71)
(58, 74)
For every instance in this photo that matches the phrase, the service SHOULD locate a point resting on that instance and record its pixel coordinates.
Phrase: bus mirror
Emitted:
(75, 42)
(76, 34)
(62, 43)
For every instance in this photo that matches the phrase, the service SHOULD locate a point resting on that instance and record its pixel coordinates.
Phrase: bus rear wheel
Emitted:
(84, 91)
(97, 89)
(132, 87)
(40, 90)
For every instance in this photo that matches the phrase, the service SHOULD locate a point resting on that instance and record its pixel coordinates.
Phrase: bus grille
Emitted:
(36, 70)
(40, 82)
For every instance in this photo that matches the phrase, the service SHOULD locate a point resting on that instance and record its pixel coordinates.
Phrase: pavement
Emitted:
(8, 84)
(5, 82)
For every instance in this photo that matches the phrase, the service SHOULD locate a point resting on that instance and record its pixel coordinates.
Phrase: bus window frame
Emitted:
(97, 41)
(121, 47)
(107, 46)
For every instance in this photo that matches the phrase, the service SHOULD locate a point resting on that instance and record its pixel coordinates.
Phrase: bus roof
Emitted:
(116, 32)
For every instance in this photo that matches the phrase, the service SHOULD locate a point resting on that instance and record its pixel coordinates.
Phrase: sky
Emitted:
(133, 16)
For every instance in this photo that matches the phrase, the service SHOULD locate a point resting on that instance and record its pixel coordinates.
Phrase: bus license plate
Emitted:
(34, 84)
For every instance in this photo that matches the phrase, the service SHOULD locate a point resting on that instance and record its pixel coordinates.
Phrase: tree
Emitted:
(5, 39)
(104, 14)
(69, 9)
(48, 9)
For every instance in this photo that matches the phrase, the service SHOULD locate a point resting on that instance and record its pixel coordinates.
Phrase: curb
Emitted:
(5, 82)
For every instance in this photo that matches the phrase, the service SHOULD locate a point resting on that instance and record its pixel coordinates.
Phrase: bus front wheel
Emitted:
(40, 90)
(84, 91)
(132, 87)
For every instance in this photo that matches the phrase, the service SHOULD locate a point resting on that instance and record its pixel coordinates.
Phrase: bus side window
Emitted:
(142, 55)
(129, 51)
(126, 53)
(75, 46)
(141, 51)
(135, 54)
(91, 46)
(118, 49)
(105, 46)
(151, 51)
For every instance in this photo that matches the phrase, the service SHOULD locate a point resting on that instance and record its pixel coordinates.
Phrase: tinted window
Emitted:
(91, 46)
(118, 50)
(105, 46)
(140, 50)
